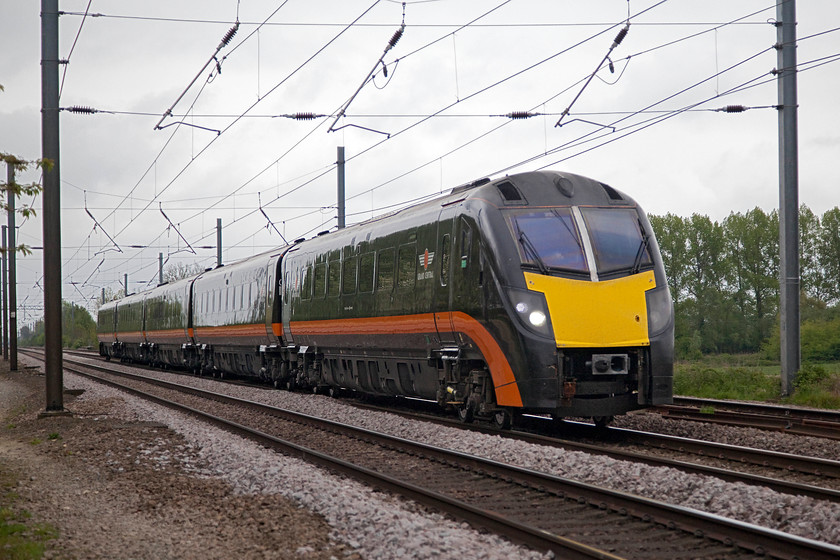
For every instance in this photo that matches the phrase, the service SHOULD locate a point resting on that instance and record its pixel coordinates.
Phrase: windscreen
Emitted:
(549, 239)
(617, 239)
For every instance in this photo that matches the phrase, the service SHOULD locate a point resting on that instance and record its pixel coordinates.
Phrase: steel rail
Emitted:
(781, 419)
(783, 461)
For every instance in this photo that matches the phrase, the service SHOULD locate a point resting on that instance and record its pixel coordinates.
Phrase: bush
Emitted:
(810, 375)
(725, 383)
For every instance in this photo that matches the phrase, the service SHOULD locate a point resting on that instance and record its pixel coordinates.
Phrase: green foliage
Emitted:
(810, 375)
(724, 278)
(748, 377)
(725, 383)
(78, 329)
(819, 333)
(18, 190)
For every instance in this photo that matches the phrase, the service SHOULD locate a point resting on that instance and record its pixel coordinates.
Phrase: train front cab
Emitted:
(596, 309)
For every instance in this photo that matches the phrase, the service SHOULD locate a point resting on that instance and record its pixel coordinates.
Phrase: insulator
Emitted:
(519, 115)
(229, 35)
(304, 116)
(395, 38)
(82, 110)
(734, 109)
(621, 35)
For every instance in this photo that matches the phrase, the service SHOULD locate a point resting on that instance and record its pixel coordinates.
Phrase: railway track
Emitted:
(782, 472)
(574, 520)
(793, 420)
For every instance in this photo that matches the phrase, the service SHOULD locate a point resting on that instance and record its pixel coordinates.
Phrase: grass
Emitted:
(20, 538)
(749, 377)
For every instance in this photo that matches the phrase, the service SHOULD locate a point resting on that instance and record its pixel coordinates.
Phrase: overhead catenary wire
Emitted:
(222, 44)
(229, 126)
(690, 109)
(391, 44)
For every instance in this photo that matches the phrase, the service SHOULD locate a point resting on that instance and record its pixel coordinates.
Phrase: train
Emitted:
(537, 293)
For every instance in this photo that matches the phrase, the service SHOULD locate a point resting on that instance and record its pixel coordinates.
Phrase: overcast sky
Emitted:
(436, 121)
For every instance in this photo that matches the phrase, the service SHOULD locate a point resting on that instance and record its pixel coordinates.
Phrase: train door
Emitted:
(443, 302)
(466, 281)
(274, 301)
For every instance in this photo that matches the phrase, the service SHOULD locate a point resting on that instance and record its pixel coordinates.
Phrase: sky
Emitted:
(135, 184)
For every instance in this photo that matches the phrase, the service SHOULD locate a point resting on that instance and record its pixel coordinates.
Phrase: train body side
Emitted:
(167, 323)
(232, 310)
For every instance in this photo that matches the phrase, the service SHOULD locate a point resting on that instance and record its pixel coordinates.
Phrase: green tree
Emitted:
(829, 246)
(753, 264)
(78, 328)
(810, 268)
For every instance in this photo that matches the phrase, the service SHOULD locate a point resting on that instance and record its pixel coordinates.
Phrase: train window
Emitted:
(348, 278)
(407, 266)
(320, 280)
(466, 243)
(366, 273)
(617, 239)
(227, 299)
(549, 239)
(306, 283)
(334, 278)
(242, 297)
(444, 260)
(385, 270)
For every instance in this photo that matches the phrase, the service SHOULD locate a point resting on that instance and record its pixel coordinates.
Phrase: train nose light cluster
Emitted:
(660, 309)
(536, 317)
(532, 310)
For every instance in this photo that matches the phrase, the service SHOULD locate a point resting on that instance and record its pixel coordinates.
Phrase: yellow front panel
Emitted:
(589, 314)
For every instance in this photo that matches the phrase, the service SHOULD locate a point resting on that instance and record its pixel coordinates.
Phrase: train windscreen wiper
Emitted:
(529, 248)
(637, 262)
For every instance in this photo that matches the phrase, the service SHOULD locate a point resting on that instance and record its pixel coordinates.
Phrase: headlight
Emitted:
(537, 318)
(532, 311)
(660, 309)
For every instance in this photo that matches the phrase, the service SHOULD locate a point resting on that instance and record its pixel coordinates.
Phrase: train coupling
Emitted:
(609, 364)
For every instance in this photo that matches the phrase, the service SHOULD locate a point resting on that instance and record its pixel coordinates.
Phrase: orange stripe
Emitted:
(504, 381)
(169, 334)
(231, 330)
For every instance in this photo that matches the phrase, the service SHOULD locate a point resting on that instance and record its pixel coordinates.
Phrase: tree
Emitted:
(78, 328)
(829, 245)
(18, 190)
(179, 270)
(810, 268)
(753, 252)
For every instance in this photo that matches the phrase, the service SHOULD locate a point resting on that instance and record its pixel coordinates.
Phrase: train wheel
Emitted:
(334, 392)
(502, 419)
(602, 421)
(290, 384)
(466, 413)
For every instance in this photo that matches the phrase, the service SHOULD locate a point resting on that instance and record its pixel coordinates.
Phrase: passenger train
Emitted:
(540, 293)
